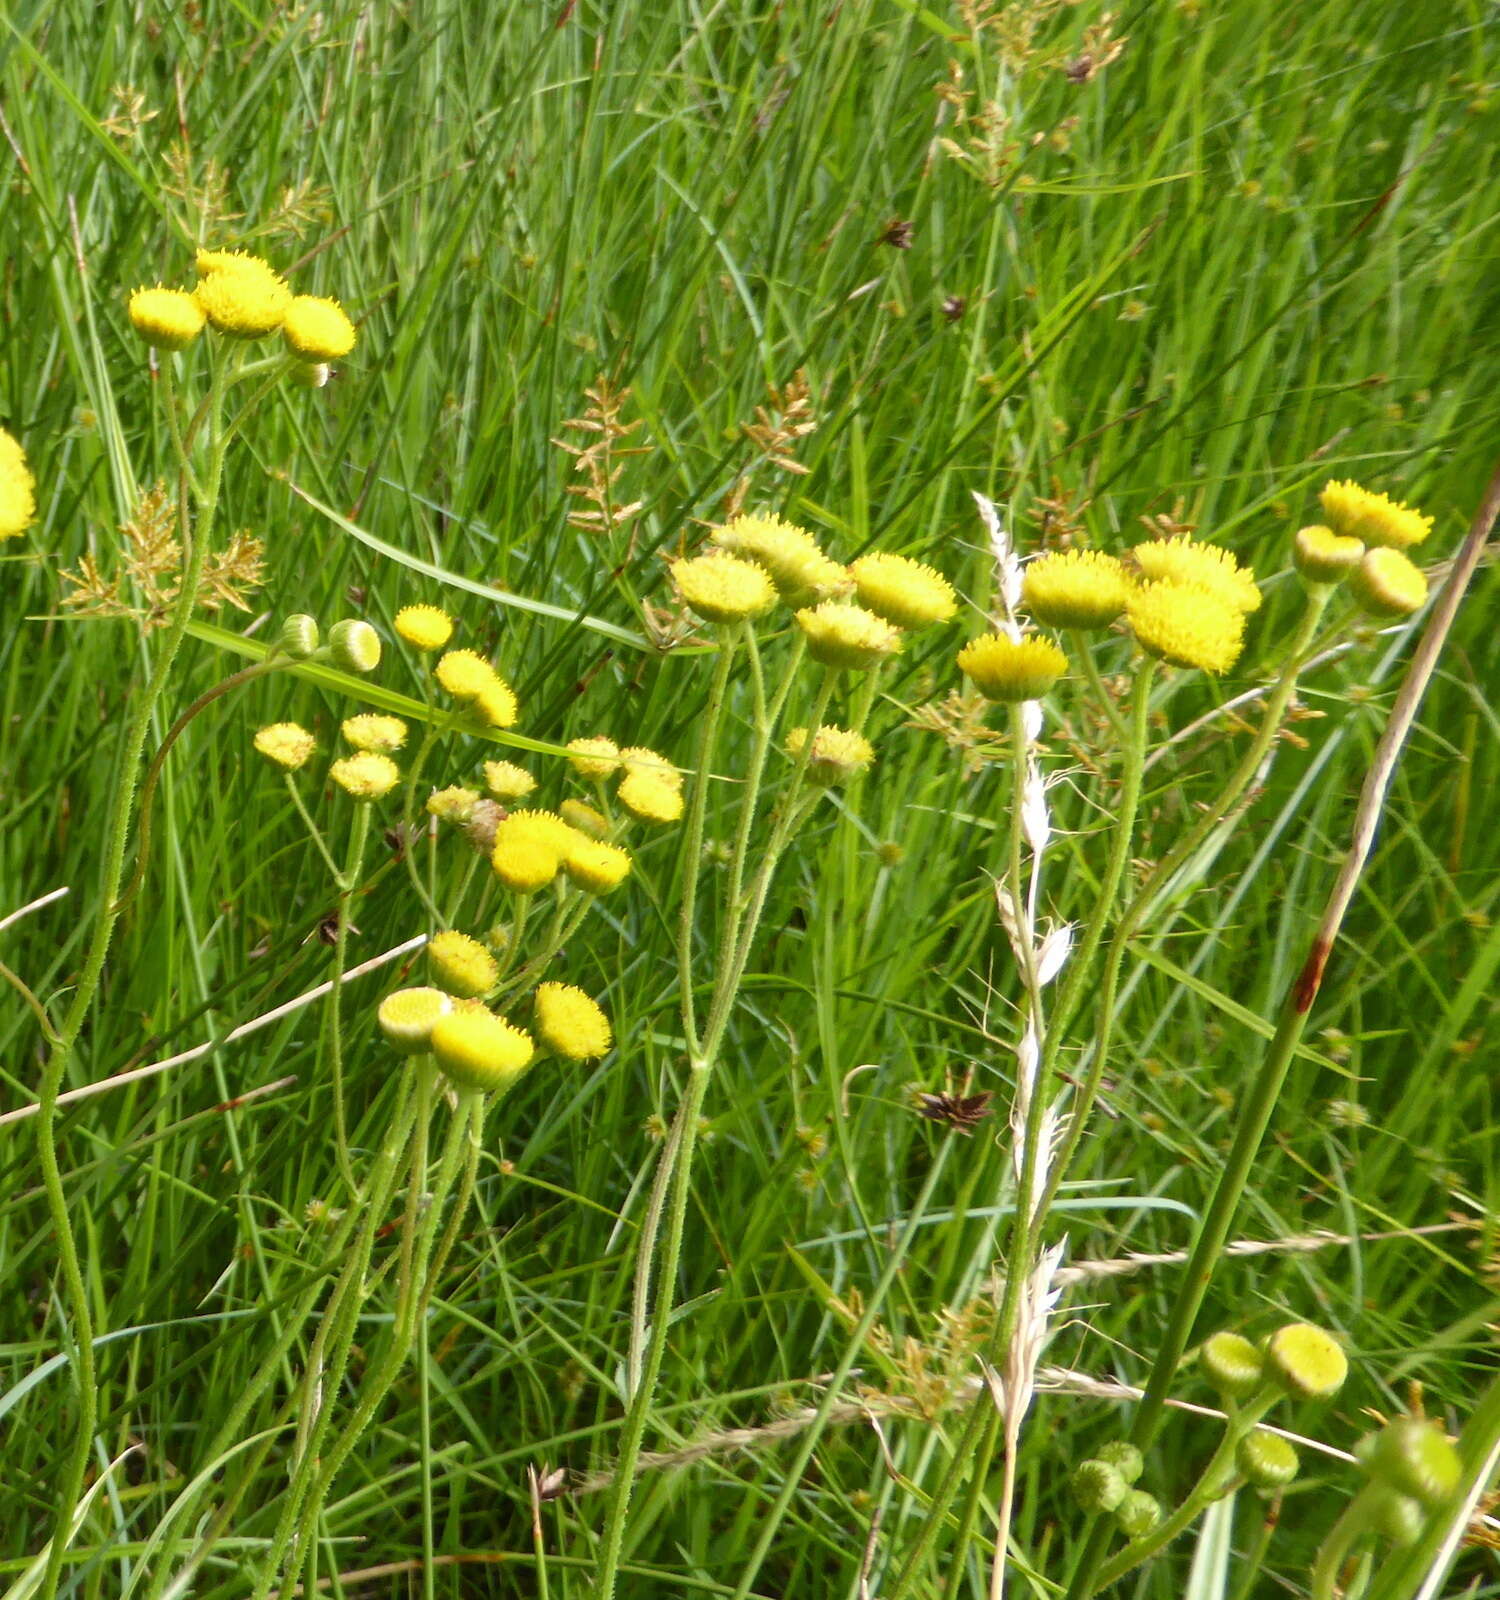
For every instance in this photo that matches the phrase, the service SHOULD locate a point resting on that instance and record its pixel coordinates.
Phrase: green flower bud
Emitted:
(299, 636)
(1138, 1513)
(1124, 1458)
(1323, 556)
(354, 646)
(1306, 1361)
(1397, 1516)
(1231, 1364)
(1266, 1459)
(1414, 1457)
(1097, 1486)
(408, 1016)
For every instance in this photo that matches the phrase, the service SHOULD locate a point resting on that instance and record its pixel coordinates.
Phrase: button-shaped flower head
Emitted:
(461, 965)
(506, 781)
(837, 754)
(17, 488)
(408, 1016)
(908, 593)
(479, 1051)
(1012, 670)
(1188, 624)
(167, 319)
(1306, 1361)
(1323, 556)
(286, 743)
(1376, 519)
(241, 295)
(316, 329)
(800, 570)
(721, 587)
(1075, 589)
(570, 1024)
(366, 776)
(839, 634)
(424, 628)
(594, 759)
(1388, 584)
(597, 866)
(372, 731)
(1185, 560)
(354, 645)
(1231, 1364)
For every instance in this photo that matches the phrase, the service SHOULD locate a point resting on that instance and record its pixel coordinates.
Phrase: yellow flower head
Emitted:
(1306, 1360)
(836, 755)
(354, 645)
(908, 593)
(461, 965)
(597, 866)
(455, 805)
(407, 1018)
(465, 674)
(317, 330)
(480, 1051)
(495, 704)
(594, 759)
(17, 489)
(208, 262)
(1075, 589)
(168, 319)
(1186, 560)
(372, 731)
(1360, 513)
(723, 588)
(579, 814)
(843, 635)
(285, 743)
(569, 1024)
(244, 297)
(529, 849)
(506, 781)
(366, 776)
(1387, 584)
(1002, 668)
(1188, 624)
(797, 565)
(650, 798)
(1323, 556)
(424, 627)
(637, 758)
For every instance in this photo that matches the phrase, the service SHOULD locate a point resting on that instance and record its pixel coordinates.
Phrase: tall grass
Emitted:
(1253, 252)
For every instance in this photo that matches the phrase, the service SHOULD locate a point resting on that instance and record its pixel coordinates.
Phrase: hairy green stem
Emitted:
(348, 881)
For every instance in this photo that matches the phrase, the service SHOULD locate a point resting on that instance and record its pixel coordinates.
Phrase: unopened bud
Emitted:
(1097, 1486)
(1414, 1457)
(1138, 1513)
(1266, 1459)
(354, 646)
(1231, 1364)
(299, 636)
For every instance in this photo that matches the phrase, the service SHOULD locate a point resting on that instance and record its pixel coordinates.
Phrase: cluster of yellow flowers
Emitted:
(850, 617)
(17, 489)
(367, 774)
(1365, 540)
(244, 297)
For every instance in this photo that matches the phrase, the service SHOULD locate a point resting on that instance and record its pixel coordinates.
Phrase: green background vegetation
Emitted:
(1255, 251)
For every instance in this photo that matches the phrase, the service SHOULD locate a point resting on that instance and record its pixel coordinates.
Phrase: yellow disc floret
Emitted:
(495, 704)
(637, 758)
(595, 759)
(798, 567)
(723, 588)
(596, 866)
(317, 329)
(1360, 513)
(1188, 624)
(424, 627)
(842, 635)
(465, 674)
(366, 776)
(461, 965)
(1075, 589)
(837, 754)
(246, 298)
(1186, 560)
(167, 319)
(905, 592)
(506, 781)
(529, 849)
(454, 804)
(1388, 584)
(1002, 668)
(17, 489)
(480, 1051)
(650, 798)
(286, 743)
(372, 731)
(1323, 556)
(570, 1024)
(408, 1016)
